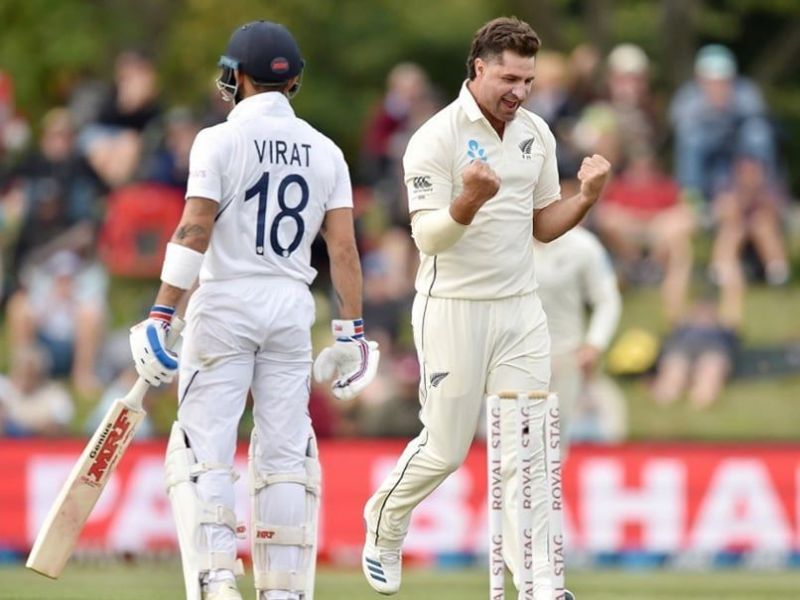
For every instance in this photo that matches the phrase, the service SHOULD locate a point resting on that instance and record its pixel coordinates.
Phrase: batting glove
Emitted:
(351, 358)
(154, 362)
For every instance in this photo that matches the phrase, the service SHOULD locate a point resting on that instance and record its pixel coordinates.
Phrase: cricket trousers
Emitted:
(248, 335)
(467, 349)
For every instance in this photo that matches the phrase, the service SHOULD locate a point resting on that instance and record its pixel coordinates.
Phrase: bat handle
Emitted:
(135, 397)
(175, 329)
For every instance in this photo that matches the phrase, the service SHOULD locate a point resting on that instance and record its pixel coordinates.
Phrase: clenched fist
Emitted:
(593, 175)
(481, 183)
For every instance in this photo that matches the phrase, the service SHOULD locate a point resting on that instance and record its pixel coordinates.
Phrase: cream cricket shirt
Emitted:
(494, 258)
(274, 177)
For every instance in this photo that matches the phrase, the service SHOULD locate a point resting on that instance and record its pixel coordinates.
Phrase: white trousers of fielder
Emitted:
(467, 349)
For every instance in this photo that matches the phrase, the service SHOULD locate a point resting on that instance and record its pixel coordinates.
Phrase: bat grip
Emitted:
(175, 329)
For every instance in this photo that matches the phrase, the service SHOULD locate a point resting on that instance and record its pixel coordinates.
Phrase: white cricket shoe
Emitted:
(226, 591)
(382, 567)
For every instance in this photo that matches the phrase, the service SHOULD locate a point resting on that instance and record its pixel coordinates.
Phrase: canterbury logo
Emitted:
(526, 147)
(421, 183)
(436, 378)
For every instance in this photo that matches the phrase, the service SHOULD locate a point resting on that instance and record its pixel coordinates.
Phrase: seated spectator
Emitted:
(624, 122)
(61, 306)
(642, 211)
(113, 144)
(60, 196)
(631, 98)
(30, 402)
(713, 117)
(697, 357)
(749, 210)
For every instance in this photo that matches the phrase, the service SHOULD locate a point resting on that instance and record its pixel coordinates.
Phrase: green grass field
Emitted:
(162, 581)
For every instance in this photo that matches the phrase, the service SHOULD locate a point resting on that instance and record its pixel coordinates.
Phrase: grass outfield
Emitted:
(155, 581)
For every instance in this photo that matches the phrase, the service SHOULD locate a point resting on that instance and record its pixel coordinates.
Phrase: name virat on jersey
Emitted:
(278, 152)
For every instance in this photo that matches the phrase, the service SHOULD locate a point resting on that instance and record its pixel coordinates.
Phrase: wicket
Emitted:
(525, 402)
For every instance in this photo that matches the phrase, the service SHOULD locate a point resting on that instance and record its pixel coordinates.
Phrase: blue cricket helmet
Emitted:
(265, 51)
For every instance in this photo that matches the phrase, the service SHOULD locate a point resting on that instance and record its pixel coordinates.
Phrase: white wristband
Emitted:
(181, 266)
(347, 328)
(435, 230)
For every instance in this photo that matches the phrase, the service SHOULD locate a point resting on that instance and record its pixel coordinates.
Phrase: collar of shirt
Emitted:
(274, 104)
(468, 103)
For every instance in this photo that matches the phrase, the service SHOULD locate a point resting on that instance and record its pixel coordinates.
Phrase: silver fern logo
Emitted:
(436, 378)
(526, 146)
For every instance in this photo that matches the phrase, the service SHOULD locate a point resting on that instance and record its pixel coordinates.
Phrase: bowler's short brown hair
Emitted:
(499, 35)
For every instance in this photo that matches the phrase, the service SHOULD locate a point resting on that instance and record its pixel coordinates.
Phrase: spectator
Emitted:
(114, 143)
(715, 116)
(30, 402)
(699, 355)
(624, 122)
(62, 307)
(409, 101)
(406, 86)
(642, 212)
(631, 98)
(60, 195)
(748, 211)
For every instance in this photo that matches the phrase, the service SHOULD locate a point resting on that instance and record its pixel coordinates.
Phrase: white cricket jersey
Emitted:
(274, 177)
(494, 258)
(574, 271)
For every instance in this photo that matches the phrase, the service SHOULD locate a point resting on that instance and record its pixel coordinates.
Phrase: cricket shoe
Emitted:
(382, 567)
(227, 590)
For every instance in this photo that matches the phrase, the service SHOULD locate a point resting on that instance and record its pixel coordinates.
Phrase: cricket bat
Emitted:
(62, 527)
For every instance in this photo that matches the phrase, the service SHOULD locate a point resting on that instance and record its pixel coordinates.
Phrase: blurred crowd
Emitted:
(93, 191)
